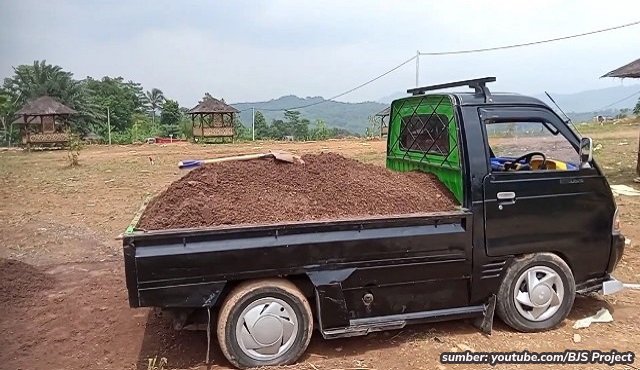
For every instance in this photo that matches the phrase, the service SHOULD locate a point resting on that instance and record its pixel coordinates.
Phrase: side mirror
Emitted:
(586, 150)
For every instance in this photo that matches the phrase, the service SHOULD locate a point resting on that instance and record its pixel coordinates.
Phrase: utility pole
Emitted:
(253, 124)
(417, 68)
(109, 124)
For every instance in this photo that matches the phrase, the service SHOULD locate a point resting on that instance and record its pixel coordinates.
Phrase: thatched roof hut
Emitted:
(213, 119)
(43, 121)
(209, 104)
(45, 106)
(383, 116)
(385, 112)
(631, 70)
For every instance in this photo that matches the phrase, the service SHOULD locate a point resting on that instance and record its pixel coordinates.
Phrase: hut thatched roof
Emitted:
(35, 120)
(45, 106)
(631, 70)
(209, 104)
(383, 113)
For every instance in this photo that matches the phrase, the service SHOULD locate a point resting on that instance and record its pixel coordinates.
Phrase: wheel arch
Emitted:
(301, 281)
(560, 254)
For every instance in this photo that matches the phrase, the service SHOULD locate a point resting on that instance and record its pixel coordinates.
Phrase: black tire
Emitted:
(506, 303)
(240, 298)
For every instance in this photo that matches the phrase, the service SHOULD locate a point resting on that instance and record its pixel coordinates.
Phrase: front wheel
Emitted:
(264, 323)
(536, 293)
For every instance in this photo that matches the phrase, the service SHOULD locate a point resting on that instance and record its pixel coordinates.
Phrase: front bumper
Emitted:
(611, 286)
(604, 285)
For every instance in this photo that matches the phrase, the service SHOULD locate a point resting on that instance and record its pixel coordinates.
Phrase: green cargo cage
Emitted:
(423, 136)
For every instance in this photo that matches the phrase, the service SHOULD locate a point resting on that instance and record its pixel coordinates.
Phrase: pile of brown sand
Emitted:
(327, 186)
(19, 280)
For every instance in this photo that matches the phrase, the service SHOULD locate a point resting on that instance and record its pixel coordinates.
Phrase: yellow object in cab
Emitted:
(552, 164)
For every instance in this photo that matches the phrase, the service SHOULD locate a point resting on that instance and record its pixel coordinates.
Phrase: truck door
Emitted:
(537, 198)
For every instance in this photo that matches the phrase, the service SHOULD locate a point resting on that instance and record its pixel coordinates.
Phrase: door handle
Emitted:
(506, 198)
(506, 195)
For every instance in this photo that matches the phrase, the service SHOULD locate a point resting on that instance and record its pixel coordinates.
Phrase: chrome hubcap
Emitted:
(266, 328)
(538, 294)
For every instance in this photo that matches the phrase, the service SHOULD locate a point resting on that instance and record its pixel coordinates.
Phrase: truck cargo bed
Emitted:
(190, 267)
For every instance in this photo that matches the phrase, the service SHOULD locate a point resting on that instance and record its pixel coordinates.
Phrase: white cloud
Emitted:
(259, 50)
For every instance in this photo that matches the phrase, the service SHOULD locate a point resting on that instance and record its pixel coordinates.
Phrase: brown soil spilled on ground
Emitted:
(19, 280)
(327, 186)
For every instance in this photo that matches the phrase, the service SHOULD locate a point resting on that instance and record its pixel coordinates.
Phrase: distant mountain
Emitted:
(601, 101)
(391, 97)
(354, 117)
(351, 116)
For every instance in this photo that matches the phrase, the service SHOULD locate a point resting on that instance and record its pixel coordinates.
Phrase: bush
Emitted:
(186, 128)
(73, 151)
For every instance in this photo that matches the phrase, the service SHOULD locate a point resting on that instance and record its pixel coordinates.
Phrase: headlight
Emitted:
(615, 227)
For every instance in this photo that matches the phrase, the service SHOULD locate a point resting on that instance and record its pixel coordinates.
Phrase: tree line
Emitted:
(295, 127)
(134, 114)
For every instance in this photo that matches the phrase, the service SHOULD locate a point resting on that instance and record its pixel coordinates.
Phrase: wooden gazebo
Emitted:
(212, 120)
(44, 121)
(383, 116)
(631, 70)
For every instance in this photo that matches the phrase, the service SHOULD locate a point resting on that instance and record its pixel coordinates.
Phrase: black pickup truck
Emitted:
(537, 223)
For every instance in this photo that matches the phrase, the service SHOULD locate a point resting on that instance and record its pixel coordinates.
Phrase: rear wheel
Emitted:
(536, 293)
(263, 323)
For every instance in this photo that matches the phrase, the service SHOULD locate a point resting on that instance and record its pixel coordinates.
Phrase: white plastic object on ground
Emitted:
(603, 315)
(624, 190)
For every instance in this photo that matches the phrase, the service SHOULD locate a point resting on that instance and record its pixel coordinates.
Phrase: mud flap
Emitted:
(332, 311)
(485, 323)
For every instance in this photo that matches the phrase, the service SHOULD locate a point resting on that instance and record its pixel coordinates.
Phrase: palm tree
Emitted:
(154, 100)
(32, 81)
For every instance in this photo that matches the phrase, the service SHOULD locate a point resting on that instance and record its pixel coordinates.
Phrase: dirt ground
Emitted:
(59, 228)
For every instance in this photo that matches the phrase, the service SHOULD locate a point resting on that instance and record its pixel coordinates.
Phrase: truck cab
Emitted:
(528, 178)
(525, 174)
(536, 224)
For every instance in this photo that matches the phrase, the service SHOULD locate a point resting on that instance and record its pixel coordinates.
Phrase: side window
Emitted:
(511, 140)
(425, 133)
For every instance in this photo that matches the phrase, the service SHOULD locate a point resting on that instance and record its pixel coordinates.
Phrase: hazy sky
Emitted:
(258, 50)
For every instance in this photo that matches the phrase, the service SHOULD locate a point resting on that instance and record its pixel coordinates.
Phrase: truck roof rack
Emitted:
(478, 84)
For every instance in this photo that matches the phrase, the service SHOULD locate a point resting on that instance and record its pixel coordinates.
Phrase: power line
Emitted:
(619, 101)
(528, 43)
(439, 53)
(348, 91)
